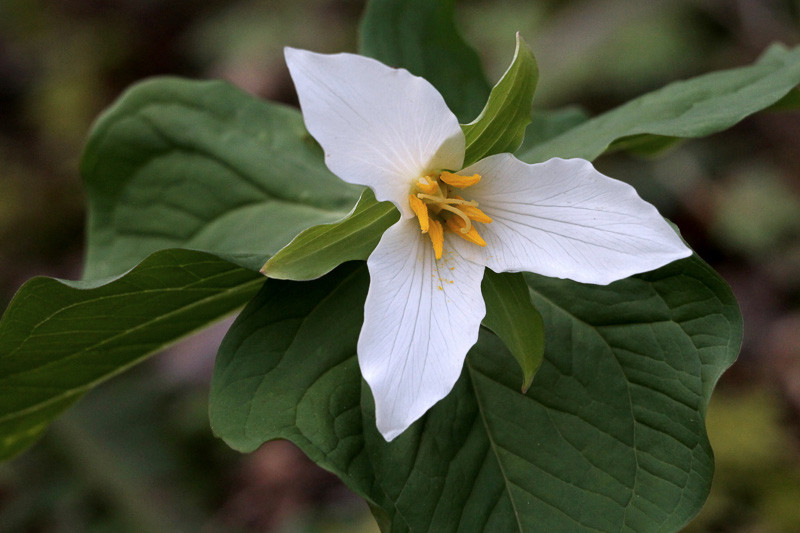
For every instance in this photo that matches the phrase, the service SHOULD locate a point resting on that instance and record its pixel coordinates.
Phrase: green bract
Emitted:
(193, 186)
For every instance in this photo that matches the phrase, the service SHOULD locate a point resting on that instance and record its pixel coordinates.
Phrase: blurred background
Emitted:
(137, 454)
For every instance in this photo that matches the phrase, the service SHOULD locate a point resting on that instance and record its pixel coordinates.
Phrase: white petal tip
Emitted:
(389, 434)
(294, 56)
(564, 219)
(683, 253)
(378, 126)
(289, 52)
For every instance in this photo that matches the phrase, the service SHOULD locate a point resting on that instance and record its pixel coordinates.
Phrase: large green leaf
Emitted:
(692, 108)
(202, 165)
(58, 339)
(421, 36)
(304, 335)
(320, 249)
(173, 164)
(611, 435)
(501, 125)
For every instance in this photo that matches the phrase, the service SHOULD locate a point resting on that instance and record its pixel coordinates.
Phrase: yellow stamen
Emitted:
(457, 226)
(436, 233)
(438, 210)
(459, 181)
(476, 214)
(471, 210)
(421, 210)
(427, 185)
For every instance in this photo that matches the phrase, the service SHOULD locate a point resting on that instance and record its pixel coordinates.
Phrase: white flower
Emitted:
(392, 131)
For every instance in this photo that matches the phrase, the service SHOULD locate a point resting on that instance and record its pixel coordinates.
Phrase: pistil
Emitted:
(458, 212)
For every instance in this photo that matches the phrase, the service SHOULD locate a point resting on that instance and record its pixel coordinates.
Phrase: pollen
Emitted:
(438, 209)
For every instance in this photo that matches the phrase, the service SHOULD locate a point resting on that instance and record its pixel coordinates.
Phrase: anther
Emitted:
(459, 181)
(427, 185)
(436, 234)
(454, 224)
(421, 210)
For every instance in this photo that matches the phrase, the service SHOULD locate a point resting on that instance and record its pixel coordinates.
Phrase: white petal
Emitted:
(420, 319)
(563, 219)
(379, 126)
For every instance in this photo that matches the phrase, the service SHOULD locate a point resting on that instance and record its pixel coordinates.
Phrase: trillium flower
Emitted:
(392, 131)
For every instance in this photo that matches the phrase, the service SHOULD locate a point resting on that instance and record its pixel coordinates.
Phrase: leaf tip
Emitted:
(265, 270)
(526, 384)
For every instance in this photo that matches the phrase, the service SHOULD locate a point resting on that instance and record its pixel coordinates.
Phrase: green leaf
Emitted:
(547, 124)
(173, 164)
(320, 249)
(501, 125)
(202, 165)
(610, 437)
(59, 339)
(421, 36)
(643, 144)
(693, 108)
(512, 317)
(308, 335)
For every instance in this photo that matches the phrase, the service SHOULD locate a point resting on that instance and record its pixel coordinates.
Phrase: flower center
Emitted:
(439, 210)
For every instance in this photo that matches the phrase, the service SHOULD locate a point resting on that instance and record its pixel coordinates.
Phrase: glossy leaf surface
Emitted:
(610, 436)
(59, 339)
(692, 108)
(202, 165)
(174, 164)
